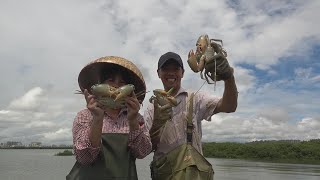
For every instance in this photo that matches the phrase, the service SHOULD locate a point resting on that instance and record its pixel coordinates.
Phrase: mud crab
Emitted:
(210, 57)
(109, 96)
(163, 98)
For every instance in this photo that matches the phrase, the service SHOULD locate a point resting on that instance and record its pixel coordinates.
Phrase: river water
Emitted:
(41, 164)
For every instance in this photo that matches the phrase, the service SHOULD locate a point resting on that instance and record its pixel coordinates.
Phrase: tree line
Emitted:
(286, 151)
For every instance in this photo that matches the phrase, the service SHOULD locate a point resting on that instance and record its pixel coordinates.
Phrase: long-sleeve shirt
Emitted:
(174, 131)
(138, 140)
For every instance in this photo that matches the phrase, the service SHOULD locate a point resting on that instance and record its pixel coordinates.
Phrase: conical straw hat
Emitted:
(92, 72)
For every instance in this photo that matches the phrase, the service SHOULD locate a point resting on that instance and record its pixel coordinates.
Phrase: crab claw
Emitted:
(202, 63)
(124, 91)
(170, 91)
(192, 61)
(173, 101)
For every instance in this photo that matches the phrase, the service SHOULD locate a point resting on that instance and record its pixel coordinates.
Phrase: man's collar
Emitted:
(181, 91)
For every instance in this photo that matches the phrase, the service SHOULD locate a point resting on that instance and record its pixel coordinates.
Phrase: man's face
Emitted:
(171, 74)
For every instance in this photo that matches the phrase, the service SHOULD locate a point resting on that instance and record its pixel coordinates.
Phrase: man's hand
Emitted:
(224, 71)
(161, 115)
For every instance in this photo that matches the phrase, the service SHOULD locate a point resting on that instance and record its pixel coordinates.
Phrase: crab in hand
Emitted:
(109, 96)
(211, 58)
(163, 103)
(163, 99)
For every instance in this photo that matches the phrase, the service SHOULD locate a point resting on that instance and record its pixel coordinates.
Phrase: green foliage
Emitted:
(292, 151)
(65, 153)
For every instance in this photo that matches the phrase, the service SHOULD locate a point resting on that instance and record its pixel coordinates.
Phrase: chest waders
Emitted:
(115, 161)
(184, 162)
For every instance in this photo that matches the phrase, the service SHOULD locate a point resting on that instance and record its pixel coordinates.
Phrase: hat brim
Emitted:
(91, 74)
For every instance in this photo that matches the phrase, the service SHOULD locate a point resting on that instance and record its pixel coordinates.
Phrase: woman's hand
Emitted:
(133, 106)
(96, 111)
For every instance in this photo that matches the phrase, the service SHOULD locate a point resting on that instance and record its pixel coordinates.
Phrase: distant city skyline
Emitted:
(32, 144)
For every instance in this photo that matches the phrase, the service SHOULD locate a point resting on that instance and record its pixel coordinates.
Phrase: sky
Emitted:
(273, 46)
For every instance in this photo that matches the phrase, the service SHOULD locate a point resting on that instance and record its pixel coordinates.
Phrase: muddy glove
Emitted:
(224, 71)
(160, 116)
(221, 66)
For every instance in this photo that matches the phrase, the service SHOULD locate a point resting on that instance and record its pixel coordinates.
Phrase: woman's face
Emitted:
(116, 80)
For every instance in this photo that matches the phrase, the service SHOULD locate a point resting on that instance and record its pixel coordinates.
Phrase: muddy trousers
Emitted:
(182, 163)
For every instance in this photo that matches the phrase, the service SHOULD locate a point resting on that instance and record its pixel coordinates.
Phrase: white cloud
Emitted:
(275, 114)
(4, 112)
(40, 124)
(61, 135)
(44, 45)
(303, 73)
(29, 101)
(307, 124)
(316, 78)
(232, 128)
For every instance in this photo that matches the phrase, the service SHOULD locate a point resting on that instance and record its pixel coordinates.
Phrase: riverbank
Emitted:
(65, 153)
(283, 151)
(303, 152)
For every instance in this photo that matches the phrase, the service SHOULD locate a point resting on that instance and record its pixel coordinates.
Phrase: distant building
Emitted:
(13, 144)
(35, 144)
(65, 146)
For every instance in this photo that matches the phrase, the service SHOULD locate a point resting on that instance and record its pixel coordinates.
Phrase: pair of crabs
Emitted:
(109, 96)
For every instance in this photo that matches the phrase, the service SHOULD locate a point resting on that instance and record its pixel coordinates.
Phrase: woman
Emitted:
(107, 140)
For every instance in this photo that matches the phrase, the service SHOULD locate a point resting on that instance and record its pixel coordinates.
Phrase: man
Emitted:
(177, 153)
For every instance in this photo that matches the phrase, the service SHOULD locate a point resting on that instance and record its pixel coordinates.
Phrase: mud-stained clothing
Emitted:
(203, 108)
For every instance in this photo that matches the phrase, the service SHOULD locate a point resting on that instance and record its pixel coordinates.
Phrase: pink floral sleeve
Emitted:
(139, 140)
(84, 152)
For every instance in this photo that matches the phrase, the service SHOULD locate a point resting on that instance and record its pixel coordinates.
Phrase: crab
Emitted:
(109, 96)
(211, 58)
(163, 98)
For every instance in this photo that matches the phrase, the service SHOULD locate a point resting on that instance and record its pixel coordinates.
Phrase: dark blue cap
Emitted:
(169, 56)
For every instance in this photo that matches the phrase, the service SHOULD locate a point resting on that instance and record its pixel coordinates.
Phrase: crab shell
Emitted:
(103, 90)
(109, 102)
(111, 97)
(124, 91)
(163, 97)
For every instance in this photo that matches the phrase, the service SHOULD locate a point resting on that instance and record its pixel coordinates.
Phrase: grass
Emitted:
(65, 153)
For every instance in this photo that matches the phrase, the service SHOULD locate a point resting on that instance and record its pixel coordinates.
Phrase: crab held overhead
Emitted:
(211, 58)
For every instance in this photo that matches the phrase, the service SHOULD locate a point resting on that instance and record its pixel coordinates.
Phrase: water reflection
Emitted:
(42, 164)
(242, 169)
